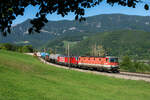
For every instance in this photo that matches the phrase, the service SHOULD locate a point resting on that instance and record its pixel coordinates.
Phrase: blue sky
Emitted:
(103, 8)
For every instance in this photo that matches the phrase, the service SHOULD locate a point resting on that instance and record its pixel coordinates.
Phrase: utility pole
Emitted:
(66, 51)
(68, 56)
(44, 49)
(50, 51)
(55, 50)
(95, 51)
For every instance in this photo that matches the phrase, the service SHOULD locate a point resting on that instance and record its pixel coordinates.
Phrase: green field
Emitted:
(23, 77)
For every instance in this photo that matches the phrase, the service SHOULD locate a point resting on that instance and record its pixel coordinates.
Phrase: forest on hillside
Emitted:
(133, 43)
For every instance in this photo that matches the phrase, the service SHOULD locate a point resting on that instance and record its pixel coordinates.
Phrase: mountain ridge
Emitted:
(63, 28)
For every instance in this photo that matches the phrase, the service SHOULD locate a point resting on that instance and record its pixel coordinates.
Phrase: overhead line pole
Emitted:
(68, 56)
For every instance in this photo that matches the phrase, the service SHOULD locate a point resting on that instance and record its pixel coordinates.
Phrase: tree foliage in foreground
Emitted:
(10, 9)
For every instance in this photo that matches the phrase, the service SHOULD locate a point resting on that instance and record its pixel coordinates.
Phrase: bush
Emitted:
(7, 46)
(126, 63)
(27, 48)
(133, 66)
(11, 47)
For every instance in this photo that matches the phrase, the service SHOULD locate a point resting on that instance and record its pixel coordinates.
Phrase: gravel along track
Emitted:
(124, 75)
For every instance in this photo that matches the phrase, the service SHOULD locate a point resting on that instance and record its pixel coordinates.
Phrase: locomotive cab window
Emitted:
(113, 59)
(76, 58)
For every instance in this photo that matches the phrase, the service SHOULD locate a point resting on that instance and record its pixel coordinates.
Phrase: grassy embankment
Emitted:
(23, 77)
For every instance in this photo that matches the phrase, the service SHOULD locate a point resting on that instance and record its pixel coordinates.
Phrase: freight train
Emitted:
(108, 63)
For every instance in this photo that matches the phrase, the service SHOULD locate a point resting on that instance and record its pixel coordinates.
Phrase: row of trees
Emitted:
(133, 66)
(11, 47)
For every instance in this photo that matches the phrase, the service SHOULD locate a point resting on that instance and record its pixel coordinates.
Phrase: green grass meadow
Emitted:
(23, 77)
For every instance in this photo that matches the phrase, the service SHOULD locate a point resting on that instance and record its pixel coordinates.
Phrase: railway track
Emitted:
(123, 75)
(135, 74)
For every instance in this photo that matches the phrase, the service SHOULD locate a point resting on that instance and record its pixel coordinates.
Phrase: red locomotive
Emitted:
(100, 63)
